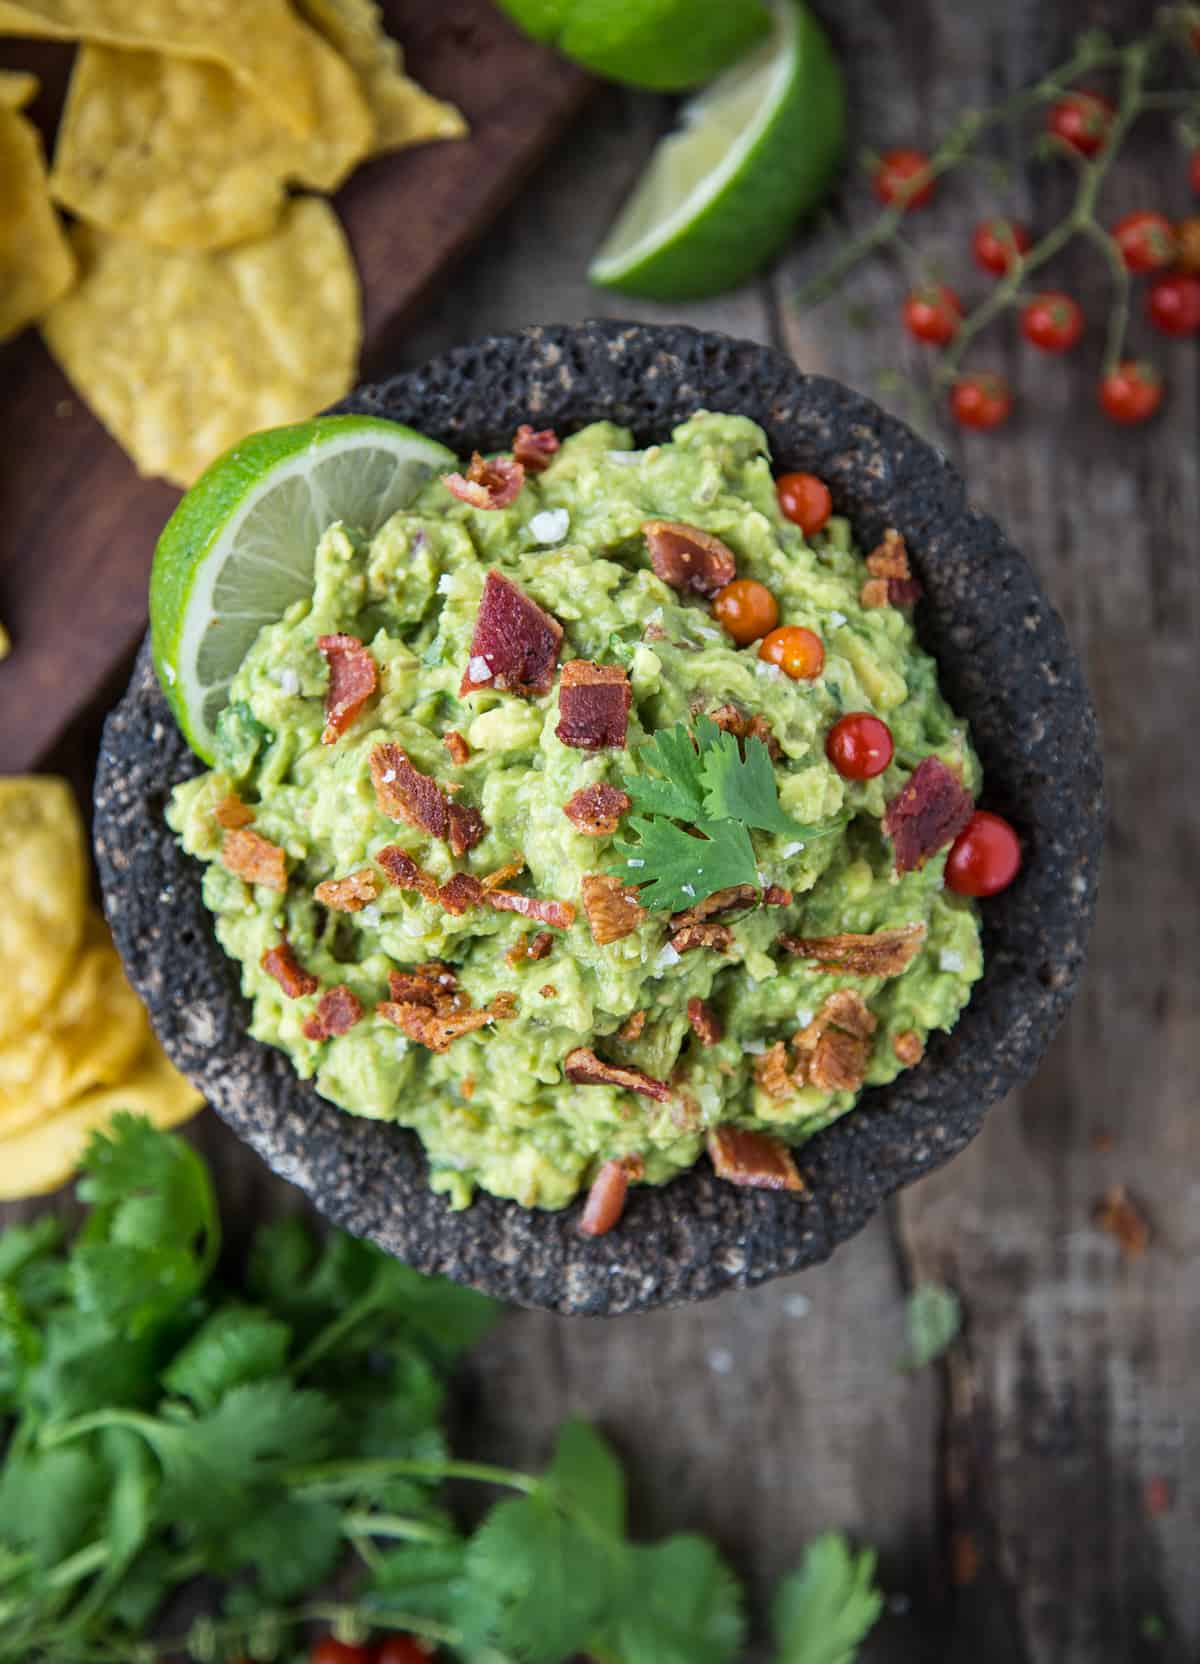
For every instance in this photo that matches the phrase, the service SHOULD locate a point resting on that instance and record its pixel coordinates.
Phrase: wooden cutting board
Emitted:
(77, 525)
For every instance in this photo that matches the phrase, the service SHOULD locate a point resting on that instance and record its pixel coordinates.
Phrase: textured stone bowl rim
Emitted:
(1005, 664)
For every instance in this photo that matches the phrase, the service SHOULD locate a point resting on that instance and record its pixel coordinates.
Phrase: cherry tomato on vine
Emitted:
(1082, 120)
(984, 858)
(1131, 393)
(804, 500)
(1052, 321)
(933, 314)
(981, 401)
(859, 746)
(903, 177)
(331, 1651)
(995, 243)
(1174, 303)
(746, 609)
(798, 652)
(1187, 244)
(1146, 240)
(401, 1649)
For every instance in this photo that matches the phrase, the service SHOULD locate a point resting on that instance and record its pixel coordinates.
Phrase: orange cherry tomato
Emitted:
(798, 652)
(804, 500)
(746, 609)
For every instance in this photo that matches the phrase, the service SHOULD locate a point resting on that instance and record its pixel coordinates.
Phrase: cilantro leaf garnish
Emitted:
(738, 787)
(824, 1610)
(677, 868)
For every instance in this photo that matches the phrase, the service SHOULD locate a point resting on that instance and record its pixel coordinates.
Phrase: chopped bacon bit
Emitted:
(596, 810)
(457, 746)
(716, 905)
(845, 1009)
(909, 1048)
(534, 450)
(489, 485)
(891, 582)
(466, 826)
(687, 558)
(404, 793)
(431, 984)
(612, 908)
(877, 953)
(584, 1068)
(254, 859)
(593, 705)
(427, 1005)
(776, 896)
(231, 813)
(548, 991)
(404, 872)
(904, 592)
(839, 1064)
(1117, 1214)
(606, 1199)
(350, 894)
(353, 678)
(560, 914)
(540, 946)
(773, 1072)
(719, 937)
(706, 1025)
(337, 1012)
(732, 721)
(889, 559)
(281, 963)
(631, 1029)
(515, 645)
(496, 880)
(874, 593)
(460, 893)
(931, 809)
(752, 1158)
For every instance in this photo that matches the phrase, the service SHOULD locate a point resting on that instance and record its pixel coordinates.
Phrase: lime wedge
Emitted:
(755, 151)
(665, 45)
(239, 548)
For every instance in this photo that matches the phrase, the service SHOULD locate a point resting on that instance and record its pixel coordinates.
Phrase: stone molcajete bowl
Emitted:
(1005, 664)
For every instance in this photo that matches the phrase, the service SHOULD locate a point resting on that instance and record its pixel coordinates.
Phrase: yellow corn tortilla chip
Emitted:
(43, 1157)
(17, 88)
(5, 643)
(258, 41)
(404, 113)
(89, 1036)
(171, 151)
(36, 264)
(43, 895)
(181, 355)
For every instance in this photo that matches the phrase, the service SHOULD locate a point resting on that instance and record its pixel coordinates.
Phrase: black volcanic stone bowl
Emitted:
(1005, 664)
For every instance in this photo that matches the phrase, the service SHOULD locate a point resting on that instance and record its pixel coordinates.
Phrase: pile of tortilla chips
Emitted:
(76, 1045)
(196, 299)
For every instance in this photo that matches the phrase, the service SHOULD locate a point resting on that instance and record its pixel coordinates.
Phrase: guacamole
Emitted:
(709, 1016)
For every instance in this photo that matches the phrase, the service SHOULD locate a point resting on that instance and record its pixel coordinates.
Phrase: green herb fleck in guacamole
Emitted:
(533, 1020)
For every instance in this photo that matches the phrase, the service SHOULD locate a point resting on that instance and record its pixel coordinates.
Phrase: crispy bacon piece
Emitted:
(404, 793)
(560, 914)
(460, 893)
(930, 810)
(732, 721)
(493, 484)
(706, 1025)
(350, 894)
(404, 872)
(515, 645)
(254, 859)
(548, 991)
(877, 953)
(457, 746)
(584, 1068)
(530, 947)
(835, 1048)
(752, 1158)
(353, 678)
(232, 813)
(776, 896)
(687, 558)
(716, 905)
(909, 1047)
(596, 810)
(631, 1029)
(428, 1006)
(606, 1199)
(891, 582)
(534, 450)
(845, 1008)
(432, 984)
(612, 908)
(337, 1012)
(773, 1072)
(593, 705)
(466, 827)
(281, 963)
(498, 879)
(719, 937)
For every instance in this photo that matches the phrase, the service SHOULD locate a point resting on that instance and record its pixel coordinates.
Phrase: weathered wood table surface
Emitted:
(1006, 1486)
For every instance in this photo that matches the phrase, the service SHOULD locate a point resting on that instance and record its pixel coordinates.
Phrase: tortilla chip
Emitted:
(43, 1157)
(181, 355)
(403, 112)
(89, 1036)
(258, 41)
(5, 643)
(43, 896)
(171, 151)
(36, 264)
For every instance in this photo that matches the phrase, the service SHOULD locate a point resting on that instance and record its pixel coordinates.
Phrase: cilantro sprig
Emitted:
(699, 792)
(158, 1426)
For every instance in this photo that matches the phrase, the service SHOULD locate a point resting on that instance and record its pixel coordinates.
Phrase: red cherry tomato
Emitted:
(330, 1651)
(401, 1649)
(1131, 393)
(804, 500)
(1053, 321)
(984, 858)
(798, 652)
(933, 314)
(981, 401)
(997, 241)
(1174, 303)
(859, 746)
(903, 177)
(1194, 172)
(1146, 241)
(1082, 120)
(747, 609)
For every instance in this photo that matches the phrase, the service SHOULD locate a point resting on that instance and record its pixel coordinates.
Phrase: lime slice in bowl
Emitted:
(239, 548)
(755, 151)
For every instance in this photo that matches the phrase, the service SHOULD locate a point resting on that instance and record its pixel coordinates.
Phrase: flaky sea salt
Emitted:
(754, 1048)
(837, 619)
(289, 681)
(625, 459)
(445, 584)
(804, 1017)
(478, 669)
(635, 861)
(949, 960)
(668, 956)
(689, 890)
(769, 672)
(370, 914)
(550, 526)
(789, 850)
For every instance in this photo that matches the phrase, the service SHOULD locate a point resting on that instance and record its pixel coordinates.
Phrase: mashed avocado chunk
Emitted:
(716, 1018)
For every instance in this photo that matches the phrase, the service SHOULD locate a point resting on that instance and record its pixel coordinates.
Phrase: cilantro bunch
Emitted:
(165, 1432)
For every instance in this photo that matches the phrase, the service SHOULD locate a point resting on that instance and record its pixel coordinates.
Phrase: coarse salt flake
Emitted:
(754, 1048)
(478, 669)
(635, 861)
(445, 583)
(668, 956)
(550, 526)
(791, 849)
(689, 890)
(837, 619)
(625, 459)
(289, 682)
(950, 960)
(370, 914)
(804, 1017)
